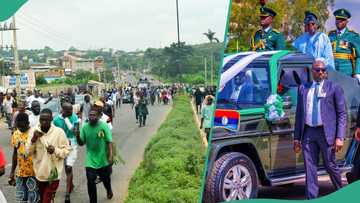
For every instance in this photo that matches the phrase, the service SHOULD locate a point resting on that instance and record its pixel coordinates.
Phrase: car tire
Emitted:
(223, 171)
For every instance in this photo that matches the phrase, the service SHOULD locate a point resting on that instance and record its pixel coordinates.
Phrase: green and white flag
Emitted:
(9, 7)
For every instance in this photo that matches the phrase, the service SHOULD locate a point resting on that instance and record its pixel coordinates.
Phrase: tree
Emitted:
(211, 36)
(40, 80)
(84, 75)
(108, 76)
(72, 48)
(177, 59)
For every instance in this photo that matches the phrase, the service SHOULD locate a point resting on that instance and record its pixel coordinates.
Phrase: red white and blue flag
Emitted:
(229, 119)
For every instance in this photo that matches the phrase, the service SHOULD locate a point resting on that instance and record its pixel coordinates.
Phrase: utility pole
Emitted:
(118, 69)
(205, 64)
(211, 69)
(16, 58)
(13, 28)
(177, 18)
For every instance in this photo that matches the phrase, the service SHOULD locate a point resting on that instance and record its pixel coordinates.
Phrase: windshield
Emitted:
(249, 88)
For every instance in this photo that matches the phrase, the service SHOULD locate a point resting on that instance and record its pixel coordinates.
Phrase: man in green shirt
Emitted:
(97, 137)
(69, 122)
(206, 116)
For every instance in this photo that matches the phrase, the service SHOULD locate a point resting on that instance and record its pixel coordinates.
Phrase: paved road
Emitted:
(131, 141)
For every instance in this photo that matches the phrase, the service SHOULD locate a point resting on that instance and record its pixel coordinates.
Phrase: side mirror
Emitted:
(287, 102)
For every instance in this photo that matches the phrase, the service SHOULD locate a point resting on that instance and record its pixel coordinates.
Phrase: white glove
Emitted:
(357, 76)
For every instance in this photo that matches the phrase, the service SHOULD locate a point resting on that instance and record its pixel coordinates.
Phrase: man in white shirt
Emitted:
(320, 127)
(35, 114)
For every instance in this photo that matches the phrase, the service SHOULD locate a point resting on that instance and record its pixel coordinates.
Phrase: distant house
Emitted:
(49, 72)
(72, 63)
(99, 64)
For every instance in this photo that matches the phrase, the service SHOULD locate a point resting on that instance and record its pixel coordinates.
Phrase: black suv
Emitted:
(247, 150)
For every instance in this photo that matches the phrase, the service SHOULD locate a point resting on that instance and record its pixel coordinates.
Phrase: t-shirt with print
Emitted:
(96, 139)
(25, 163)
(207, 112)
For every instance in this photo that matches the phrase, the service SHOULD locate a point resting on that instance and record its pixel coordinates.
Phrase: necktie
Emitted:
(314, 120)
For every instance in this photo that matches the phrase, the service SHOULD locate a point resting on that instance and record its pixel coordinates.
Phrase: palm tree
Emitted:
(211, 36)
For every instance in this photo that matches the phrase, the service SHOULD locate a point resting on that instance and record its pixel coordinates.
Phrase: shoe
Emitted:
(67, 198)
(109, 194)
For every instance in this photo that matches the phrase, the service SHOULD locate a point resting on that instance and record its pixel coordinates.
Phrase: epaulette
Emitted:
(276, 31)
(353, 31)
(257, 32)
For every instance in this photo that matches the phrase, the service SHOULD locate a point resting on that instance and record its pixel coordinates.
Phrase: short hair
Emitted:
(66, 103)
(35, 102)
(22, 117)
(47, 111)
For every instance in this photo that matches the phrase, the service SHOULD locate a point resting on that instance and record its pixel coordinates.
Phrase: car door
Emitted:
(283, 158)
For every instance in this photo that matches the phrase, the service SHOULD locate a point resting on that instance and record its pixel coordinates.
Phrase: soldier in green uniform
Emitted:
(346, 45)
(267, 38)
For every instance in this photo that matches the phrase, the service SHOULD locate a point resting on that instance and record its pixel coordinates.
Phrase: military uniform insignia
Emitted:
(343, 44)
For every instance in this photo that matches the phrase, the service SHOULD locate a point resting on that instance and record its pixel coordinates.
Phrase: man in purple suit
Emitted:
(320, 127)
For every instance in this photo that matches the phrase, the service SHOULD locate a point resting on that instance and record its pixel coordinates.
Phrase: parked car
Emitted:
(247, 150)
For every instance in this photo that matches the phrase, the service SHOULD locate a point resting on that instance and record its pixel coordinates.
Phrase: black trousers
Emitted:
(91, 174)
(142, 119)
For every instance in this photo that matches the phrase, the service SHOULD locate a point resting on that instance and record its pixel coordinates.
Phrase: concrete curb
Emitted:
(197, 121)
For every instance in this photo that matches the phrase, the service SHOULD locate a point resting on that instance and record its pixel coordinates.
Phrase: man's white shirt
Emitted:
(309, 104)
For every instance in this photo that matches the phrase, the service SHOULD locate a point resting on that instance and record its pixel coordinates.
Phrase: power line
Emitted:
(44, 33)
(39, 23)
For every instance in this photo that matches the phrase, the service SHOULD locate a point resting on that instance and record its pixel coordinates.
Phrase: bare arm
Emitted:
(14, 163)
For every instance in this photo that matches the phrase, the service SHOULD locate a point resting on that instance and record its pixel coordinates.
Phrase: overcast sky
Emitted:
(353, 6)
(120, 24)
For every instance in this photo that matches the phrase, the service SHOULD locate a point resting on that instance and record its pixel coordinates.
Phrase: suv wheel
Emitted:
(233, 177)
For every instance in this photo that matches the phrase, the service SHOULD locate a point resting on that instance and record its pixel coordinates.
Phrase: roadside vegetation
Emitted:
(173, 160)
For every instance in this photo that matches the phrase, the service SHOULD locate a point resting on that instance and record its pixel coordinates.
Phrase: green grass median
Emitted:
(173, 160)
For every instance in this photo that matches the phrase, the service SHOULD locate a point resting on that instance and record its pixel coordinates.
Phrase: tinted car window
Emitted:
(249, 88)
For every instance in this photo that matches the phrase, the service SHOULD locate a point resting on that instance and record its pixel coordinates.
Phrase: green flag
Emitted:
(9, 7)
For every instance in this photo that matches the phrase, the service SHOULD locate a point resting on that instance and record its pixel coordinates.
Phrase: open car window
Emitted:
(291, 77)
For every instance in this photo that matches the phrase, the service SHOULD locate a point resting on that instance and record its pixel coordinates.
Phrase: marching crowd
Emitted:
(44, 146)
(45, 143)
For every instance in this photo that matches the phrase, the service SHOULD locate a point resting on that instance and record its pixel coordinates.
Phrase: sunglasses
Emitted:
(318, 70)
